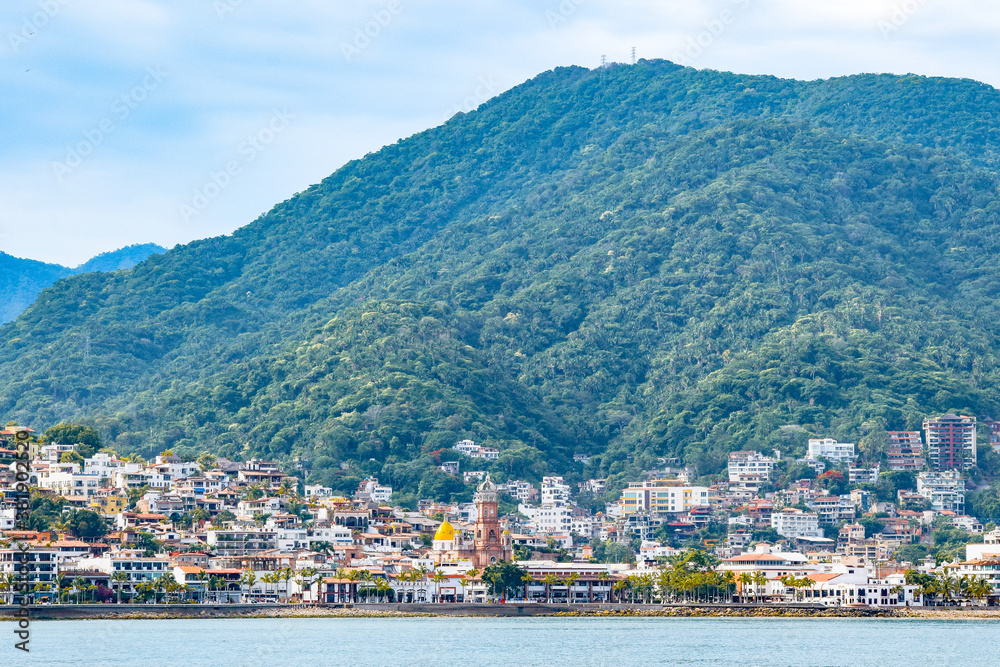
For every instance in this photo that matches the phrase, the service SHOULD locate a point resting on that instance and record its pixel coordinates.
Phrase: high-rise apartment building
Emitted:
(951, 442)
(906, 451)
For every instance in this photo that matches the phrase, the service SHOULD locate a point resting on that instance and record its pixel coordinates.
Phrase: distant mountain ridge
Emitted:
(635, 263)
(22, 280)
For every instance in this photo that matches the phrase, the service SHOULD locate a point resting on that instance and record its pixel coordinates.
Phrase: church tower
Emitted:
(491, 543)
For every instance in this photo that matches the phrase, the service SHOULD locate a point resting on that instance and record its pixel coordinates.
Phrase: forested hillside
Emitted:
(21, 280)
(632, 263)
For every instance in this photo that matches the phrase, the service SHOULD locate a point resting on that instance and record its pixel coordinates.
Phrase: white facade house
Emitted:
(988, 550)
(317, 491)
(794, 523)
(548, 520)
(470, 448)
(554, 492)
(749, 467)
(662, 497)
(370, 488)
(828, 448)
(65, 479)
(137, 568)
(290, 539)
(863, 475)
(944, 490)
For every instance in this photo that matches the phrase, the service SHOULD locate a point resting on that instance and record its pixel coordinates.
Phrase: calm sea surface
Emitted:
(536, 641)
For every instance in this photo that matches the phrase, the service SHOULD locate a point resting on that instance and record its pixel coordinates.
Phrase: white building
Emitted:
(318, 491)
(548, 520)
(137, 568)
(863, 475)
(53, 452)
(291, 539)
(749, 467)
(522, 492)
(467, 447)
(470, 448)
(794, 523)
(662, 496)
(988, 550)
(828, 448)
(554, 492)
(379, 493)
(944, 490)
(65, 479)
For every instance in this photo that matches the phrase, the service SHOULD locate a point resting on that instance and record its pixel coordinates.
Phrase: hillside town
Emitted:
(826, 529)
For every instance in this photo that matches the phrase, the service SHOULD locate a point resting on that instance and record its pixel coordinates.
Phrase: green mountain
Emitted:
(637, 262)
(21, 280)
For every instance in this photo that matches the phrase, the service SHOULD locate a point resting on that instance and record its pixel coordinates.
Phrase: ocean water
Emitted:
(508, 641)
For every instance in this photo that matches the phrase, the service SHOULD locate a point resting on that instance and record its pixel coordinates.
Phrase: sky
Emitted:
(165, 121)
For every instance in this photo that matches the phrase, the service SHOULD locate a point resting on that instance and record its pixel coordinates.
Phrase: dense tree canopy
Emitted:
(74, 434)
(636, 263)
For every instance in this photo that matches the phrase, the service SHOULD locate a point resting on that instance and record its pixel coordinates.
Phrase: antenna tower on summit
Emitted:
(604, 62)
(633, 55)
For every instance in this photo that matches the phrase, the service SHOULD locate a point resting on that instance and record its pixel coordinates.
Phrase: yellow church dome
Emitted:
(445, 532)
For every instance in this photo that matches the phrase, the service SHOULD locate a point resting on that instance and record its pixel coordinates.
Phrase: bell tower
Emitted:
(491, 543)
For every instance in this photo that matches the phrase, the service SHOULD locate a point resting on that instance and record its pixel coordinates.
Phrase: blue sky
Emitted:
(132, 121)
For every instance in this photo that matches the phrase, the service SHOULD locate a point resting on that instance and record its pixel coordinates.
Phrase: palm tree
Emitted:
(549, 580)
(286, 574)
(7, 582)
(367, 577)
(248, 579)
(119, 578)
(437, 578)
(272, 578)
(214, 584)
(166, 583)
(80, 585)
(981, 588)
(947, 585)
(383, 588)
(570, 579)
(604, 576)
(308, 578)
(745, 579)
(527, 579)
(353, 576)
(202, 578)
(618, 587)
(759, 579)
(729, 581)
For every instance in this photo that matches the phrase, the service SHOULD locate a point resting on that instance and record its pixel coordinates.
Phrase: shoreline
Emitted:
(431, 610)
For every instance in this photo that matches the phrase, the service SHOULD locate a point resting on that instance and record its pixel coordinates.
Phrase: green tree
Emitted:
(503, 578)
(73, 434)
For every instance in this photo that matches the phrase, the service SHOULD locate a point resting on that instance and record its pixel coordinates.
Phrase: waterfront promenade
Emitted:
(513, 609)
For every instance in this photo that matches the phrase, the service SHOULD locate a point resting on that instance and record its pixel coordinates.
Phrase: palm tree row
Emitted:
(947, 588)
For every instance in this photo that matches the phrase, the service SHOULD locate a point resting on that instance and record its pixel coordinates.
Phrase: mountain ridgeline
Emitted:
(632, 263)
(22, 280)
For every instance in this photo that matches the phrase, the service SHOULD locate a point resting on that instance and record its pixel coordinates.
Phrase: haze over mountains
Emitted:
(631, 263)
(21, 280)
